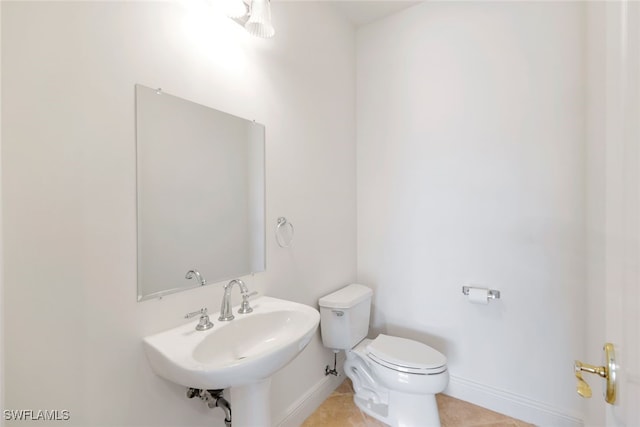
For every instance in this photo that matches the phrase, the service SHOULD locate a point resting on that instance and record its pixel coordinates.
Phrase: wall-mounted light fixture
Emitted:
(253, 15)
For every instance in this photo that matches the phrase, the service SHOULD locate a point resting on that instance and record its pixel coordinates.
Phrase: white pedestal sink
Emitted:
(240, 354)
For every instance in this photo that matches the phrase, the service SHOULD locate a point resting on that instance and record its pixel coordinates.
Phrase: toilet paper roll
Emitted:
(479, 296)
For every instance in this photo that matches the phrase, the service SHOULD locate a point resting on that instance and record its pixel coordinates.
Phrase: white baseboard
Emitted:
(510, 404)
(302, 408)
(504, 402)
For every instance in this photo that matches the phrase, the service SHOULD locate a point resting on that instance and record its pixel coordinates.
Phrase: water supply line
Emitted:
(333, 371)
(213, 399)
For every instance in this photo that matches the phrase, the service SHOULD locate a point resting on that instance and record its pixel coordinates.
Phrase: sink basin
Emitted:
(246, 350)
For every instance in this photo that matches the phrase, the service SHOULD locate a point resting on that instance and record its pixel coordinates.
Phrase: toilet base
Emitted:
(391, 406)
(403, 410)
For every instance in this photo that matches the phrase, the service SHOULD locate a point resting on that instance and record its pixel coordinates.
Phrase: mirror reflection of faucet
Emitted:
(225, 310)
(195, 273)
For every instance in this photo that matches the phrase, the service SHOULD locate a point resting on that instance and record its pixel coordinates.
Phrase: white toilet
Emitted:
(395, 379)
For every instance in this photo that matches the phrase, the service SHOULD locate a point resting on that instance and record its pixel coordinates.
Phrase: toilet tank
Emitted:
(344, 316)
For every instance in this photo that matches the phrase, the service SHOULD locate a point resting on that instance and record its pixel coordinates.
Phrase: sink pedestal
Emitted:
(250, 404)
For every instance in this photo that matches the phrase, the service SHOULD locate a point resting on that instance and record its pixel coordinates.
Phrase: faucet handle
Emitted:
(245, 308)
(204, 322)
(202, 311)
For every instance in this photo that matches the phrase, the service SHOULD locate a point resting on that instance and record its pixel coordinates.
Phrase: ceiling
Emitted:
(363, 12)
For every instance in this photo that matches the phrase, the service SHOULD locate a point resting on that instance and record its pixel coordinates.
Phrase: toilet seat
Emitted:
(404, 355)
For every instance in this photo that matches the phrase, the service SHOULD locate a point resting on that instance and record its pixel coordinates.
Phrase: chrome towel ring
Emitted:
(284, 232)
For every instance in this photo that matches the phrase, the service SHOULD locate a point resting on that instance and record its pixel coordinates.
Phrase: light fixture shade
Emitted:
(235, 8)
(259, 23)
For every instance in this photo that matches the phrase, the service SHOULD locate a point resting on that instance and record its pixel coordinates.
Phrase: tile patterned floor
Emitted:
(340, 411)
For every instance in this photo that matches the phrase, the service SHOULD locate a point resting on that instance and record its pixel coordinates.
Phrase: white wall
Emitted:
(2, 392)
(596, 196)
(74, 328)
(471, 170)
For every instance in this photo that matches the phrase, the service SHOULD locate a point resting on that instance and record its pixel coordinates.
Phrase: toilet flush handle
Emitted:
(338, 313)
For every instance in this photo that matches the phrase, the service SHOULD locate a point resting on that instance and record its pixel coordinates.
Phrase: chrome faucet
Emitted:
(195, 273)
(225, 309)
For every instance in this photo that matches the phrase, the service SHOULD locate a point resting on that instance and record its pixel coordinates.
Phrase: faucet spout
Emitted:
(225, 309)
(195, 273)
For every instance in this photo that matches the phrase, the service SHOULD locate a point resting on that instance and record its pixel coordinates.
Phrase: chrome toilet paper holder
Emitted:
(492, 294)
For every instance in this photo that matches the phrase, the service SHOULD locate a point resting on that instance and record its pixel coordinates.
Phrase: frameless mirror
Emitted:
(200, 183)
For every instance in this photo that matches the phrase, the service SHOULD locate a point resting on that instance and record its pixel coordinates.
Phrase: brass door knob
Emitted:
(608, 372)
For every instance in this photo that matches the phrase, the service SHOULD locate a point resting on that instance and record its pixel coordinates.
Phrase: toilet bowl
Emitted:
(395, 379)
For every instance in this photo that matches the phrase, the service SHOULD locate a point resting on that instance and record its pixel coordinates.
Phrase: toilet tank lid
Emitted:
(346, 297)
